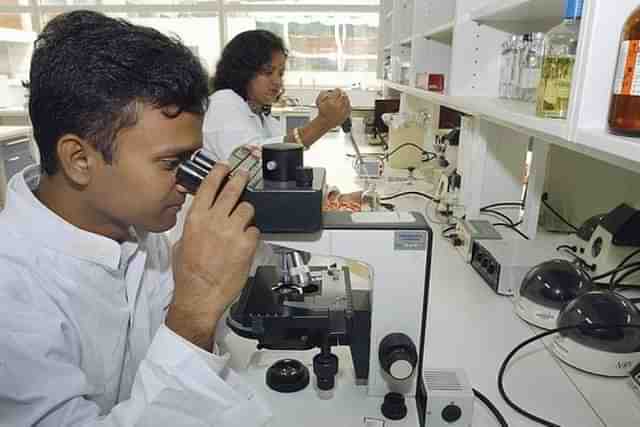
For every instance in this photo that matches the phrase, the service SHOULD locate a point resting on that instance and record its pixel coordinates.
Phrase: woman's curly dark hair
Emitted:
(243, 57)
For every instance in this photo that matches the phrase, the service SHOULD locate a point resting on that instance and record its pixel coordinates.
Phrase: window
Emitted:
(331, 42)
(15, 47)
(325, 49)
(198, 31)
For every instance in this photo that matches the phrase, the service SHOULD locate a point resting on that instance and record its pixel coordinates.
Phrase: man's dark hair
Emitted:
(243, 57)
(90, 74)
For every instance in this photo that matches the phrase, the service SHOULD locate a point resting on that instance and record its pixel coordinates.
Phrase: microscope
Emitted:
(340, 319)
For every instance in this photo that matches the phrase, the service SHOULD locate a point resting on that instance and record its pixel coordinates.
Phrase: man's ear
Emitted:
(77, 158)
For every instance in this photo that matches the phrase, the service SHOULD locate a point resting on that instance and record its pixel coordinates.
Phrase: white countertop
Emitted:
(471, 327)
(11, 131)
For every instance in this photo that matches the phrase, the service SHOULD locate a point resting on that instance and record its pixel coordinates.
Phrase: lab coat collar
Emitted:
(33, 219)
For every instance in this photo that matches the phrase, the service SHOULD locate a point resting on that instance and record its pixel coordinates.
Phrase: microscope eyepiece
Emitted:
(193, 171)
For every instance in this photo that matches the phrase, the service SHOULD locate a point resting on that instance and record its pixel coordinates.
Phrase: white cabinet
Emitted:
(464, 42)
(462, 39)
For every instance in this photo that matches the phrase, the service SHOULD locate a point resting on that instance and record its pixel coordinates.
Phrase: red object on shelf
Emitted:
(421, 81)
(436, 82)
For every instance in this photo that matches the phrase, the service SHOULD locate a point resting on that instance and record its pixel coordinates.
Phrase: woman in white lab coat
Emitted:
(248, 80)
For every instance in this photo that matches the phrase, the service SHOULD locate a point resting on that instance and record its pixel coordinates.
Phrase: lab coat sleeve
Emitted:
(41, 381)
(228, 126)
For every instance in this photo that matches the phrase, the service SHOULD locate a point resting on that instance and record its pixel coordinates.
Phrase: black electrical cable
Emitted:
(553, 211)
(529, 341)
(504, 204)
(635, 300)
(410, 144)
(622, 263)
(484, 399)
(498, 214)
(615, 270)
(408, 193)
(512, 227)
(446, 230)
(624, 275)
(570, 248)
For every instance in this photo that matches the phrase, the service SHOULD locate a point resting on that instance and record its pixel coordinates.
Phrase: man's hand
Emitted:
(334, 107)
(212, 260)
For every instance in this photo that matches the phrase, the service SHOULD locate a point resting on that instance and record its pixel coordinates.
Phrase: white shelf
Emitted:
(442, 33)
(407, 41)
(457, 103)
(521, 117)
(621, 147)
(16, 36)
(515, 115)
(520, 15)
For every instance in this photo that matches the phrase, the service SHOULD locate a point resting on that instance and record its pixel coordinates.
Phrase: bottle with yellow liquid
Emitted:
(560, 46)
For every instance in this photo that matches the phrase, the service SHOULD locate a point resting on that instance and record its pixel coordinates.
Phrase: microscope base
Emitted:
(347, 405)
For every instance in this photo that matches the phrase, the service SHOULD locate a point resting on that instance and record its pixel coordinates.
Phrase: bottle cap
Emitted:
(573, 9)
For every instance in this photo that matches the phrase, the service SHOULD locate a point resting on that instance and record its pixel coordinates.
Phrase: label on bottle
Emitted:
(627, 79)
(529, 78)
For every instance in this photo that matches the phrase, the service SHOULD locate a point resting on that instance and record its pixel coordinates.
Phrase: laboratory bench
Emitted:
(16, 152)
(471, 327)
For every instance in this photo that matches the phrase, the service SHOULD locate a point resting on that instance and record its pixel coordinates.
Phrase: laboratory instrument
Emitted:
(347, 301)
(450, 398)
(288, 197)
(547, 288)
(504, 263)
(605, 242)
(470, 231)
(366, 260)
(607, 351)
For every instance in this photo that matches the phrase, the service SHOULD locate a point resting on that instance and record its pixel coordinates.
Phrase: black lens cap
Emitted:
(287, 376)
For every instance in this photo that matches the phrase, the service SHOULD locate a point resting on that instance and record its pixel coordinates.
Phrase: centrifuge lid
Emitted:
(554, 283)
(602, 308)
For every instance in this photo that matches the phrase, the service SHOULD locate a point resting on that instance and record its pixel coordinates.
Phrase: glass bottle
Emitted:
(513, 51)
(624, 110)
(531, 67)
(505, 67)
(561, 44)
(515, 76)
(370, 199)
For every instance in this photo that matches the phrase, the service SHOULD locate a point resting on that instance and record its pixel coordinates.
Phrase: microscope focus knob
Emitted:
(398, 356)
(451, 413)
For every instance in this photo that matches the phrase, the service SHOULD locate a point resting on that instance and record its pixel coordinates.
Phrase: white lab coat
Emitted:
(230, 123)
(82, 338)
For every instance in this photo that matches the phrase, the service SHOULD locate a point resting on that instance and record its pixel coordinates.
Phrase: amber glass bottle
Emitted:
(624, 111)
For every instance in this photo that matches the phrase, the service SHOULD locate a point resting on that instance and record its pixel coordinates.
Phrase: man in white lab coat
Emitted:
(99, 324)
